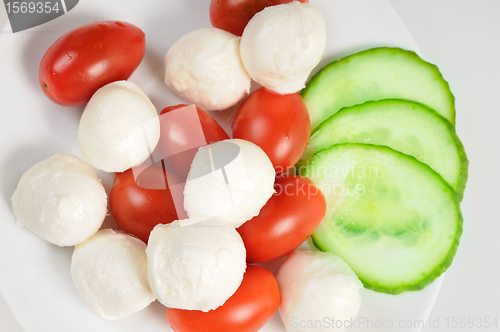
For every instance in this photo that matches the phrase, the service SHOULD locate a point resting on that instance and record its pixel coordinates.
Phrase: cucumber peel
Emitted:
(393, 219)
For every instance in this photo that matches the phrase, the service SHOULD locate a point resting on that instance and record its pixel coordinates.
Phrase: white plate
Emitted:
(35, 280)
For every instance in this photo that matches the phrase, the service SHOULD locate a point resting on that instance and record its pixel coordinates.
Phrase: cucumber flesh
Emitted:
(394, 220)
(402, 125)
(375, 74)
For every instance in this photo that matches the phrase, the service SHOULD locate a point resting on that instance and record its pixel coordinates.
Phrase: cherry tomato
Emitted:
(179, 139)
(233, 16)
(139, 205)
(250, 307)
(279, 124)
(289, 217)
(89, 57)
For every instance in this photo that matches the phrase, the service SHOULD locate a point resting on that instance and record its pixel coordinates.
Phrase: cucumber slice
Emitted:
(394, 220)
(405, 126)
(374, 74)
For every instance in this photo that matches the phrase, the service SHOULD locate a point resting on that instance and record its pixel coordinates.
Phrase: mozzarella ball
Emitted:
(204, 68)
(314, 285)
(61, 199)
(118, 128)
(197, 266)
(231, 180)
(110, 273)
(282, 44)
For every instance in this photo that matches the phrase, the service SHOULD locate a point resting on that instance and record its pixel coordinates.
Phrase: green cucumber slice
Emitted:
(394, 220)
(402, 125)
(374, 74)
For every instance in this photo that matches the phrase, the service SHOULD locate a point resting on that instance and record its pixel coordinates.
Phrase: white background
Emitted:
(463, 38)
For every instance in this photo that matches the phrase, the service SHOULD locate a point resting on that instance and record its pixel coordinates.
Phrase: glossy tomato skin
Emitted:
(248, 310)
(178, 136)
(279, 124)
(289, 217)
(137, 209)
(233, 16)
(89, 57)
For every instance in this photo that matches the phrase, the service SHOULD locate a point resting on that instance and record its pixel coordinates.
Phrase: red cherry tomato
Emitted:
(289, 217)
(279, 124)
(180, 141)
(137, 206)
(250, 307)
(233, 16)
(89, 57)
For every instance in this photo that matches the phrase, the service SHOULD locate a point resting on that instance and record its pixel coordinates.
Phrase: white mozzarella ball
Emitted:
(204, 67)
(197, 266)
(282, 44)
(61, 199)
(230, 180)
(315, 285)
(119, 127)
(110, 273)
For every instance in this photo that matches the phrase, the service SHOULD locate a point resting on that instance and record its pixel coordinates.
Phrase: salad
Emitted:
(278, 168)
